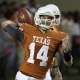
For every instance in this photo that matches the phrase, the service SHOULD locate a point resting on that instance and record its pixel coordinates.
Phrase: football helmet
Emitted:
(48, 10)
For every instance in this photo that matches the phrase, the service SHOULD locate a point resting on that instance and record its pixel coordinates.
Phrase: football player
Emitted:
(54, 68)
(54, 64)
(39, 42)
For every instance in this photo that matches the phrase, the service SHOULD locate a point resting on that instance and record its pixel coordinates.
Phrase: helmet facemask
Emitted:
(46, 23)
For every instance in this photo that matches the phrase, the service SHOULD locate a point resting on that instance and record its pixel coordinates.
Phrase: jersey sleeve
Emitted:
(63, 35)
(14, 32)
(27, 28)
(60, 48)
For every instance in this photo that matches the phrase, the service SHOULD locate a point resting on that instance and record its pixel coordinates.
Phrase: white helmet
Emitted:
(48, 10)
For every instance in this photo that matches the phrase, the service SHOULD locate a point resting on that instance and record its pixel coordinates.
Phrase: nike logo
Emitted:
(49, 37)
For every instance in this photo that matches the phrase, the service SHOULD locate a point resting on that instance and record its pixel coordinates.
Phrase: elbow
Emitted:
(69, 63)
(2, 24)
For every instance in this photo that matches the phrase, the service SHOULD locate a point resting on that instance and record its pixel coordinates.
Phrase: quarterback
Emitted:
(40, 43)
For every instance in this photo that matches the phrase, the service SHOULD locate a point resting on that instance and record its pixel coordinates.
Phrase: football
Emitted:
(24, 16)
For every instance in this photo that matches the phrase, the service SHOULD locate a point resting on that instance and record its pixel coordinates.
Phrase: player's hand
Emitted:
(65, 43)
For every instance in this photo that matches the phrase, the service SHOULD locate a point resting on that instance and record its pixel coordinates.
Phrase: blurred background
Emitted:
(11, 51)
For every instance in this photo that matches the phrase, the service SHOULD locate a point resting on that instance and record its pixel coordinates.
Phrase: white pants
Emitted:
(48, 77)
(20, 76)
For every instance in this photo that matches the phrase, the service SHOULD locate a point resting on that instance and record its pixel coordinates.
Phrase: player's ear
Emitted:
(21, 29)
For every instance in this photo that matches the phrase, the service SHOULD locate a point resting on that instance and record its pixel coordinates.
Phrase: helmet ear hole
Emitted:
(57, 16)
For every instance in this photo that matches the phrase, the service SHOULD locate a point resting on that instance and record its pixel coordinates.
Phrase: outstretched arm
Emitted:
(65, 52)
(11, 28)
(5, 23)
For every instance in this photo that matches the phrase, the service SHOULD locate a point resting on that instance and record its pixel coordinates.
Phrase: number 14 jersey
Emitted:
(39, 50)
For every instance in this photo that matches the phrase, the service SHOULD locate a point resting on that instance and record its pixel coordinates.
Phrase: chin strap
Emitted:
(42, 31)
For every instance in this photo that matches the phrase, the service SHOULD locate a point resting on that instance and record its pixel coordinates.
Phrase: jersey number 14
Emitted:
(43, 50)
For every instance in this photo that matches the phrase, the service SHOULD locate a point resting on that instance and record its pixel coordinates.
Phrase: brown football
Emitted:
(24, 16)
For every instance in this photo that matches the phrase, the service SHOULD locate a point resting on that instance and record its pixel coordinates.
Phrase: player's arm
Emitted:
(5, 23)
(65, 52)
(66, 57)
(8, 26)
